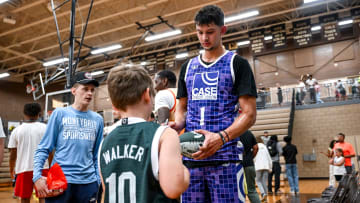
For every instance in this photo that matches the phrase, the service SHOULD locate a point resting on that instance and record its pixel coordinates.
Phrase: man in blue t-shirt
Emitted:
(210, 85)
(75, 132)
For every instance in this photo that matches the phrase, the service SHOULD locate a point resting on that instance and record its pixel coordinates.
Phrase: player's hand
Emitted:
(212, 144)
(41, 187)
(176, 126)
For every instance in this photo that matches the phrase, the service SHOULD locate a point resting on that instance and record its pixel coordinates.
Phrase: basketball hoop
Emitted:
(29, 89)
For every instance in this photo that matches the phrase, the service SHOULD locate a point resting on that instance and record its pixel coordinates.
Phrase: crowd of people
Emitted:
(139, 160)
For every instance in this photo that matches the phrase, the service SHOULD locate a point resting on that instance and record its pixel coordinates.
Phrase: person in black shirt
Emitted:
(289, 153)
(250, 151)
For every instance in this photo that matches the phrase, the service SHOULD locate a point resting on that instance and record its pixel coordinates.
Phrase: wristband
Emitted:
(222, 138)
(227, 135)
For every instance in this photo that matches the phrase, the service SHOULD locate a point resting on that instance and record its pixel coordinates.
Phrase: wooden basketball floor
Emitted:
(308, 189)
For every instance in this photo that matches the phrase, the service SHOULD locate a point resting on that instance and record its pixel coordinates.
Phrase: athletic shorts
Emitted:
(77, 193)
(24, 184)
(220, 184)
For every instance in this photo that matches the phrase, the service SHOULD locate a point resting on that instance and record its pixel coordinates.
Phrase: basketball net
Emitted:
(29, 89)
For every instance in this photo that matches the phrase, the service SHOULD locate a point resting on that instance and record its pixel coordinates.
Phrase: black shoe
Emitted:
(270, 192)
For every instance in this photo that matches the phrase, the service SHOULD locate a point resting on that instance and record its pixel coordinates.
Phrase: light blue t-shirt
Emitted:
(75, 136)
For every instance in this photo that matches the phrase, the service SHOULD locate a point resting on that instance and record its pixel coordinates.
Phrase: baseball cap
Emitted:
(85, 78)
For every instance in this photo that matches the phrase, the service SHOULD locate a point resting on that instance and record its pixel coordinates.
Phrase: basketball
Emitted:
(190, 143)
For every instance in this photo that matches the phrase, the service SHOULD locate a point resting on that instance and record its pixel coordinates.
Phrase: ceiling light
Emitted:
(3, 1)
(241, 16)
(106, 49)
(182, 55)
(316, 28)
(56, 61)
(345, 22)
(309, 1)
(100, 72)
(162, 35)
(143, 63)
(268, 38)
(4, 75)
(9, 20)
(242, 43)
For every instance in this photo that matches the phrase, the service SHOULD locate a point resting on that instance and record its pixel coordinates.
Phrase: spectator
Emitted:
(165, 99)
(311, 83)
(75, 132)
(22, 144)
(300, 93)
(341, 89)
(275, 151)
(338, 161)
(348, 151)
(289, 153)
(2, 141)
(263, 165)
(279, 94)
(265, 137)
(250, 151)
(355, 88)
(318, 94)
(331, 167)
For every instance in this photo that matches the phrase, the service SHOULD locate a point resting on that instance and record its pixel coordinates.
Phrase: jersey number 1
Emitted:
(111, 180)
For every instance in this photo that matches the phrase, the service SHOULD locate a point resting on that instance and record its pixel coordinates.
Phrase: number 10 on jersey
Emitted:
(120, 185)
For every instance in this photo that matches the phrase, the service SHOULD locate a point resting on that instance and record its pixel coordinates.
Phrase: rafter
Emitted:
(145, 22)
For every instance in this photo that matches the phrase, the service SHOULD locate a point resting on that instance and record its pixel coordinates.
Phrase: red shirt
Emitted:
(347, 149)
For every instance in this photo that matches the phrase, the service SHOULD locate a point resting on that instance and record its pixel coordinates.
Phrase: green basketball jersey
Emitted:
(128, 159)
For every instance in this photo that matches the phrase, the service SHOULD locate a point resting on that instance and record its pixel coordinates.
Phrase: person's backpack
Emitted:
(271, 146)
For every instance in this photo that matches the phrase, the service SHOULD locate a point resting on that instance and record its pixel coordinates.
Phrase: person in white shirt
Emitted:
(311, 83)
(263, 164)
(165, 99)
(338, 161)
(22, 144)
(2, 141)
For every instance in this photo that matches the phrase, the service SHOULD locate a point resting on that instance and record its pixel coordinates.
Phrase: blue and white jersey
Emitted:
(212, 102)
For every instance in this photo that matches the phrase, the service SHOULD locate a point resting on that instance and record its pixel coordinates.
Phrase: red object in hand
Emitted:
(56, 179)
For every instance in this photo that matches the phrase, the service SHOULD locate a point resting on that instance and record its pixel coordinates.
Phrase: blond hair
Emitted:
(127, 84)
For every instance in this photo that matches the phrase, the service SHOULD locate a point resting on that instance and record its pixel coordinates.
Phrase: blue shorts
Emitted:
(223, 183)
(77, 193)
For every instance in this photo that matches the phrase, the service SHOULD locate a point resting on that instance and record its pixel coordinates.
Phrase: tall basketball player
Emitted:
(209, 87)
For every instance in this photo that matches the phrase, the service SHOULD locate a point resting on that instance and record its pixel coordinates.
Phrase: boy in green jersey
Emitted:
(139, 161)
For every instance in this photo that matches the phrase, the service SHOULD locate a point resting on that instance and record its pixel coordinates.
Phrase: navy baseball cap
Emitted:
(85, 78)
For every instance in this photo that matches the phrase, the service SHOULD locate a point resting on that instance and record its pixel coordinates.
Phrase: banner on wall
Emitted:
(302, 33)
(257, 41)
(330, 29)
(278, 33)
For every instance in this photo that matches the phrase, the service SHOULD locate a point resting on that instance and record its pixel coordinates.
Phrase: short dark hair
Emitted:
(342, 134)
(274, 138)
(171, 77)
(32, 109)
(332, 143)
(287, 139)
(127, 84)
(210, 14)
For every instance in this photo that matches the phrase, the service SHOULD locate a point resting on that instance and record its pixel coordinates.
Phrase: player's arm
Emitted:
(255, 150)
(180, 115)
(98, 140)
(163, 114)
(45, 147)
(246, 119)
(213, 141)
(12, 161)
(173, 175)
(181, 107)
